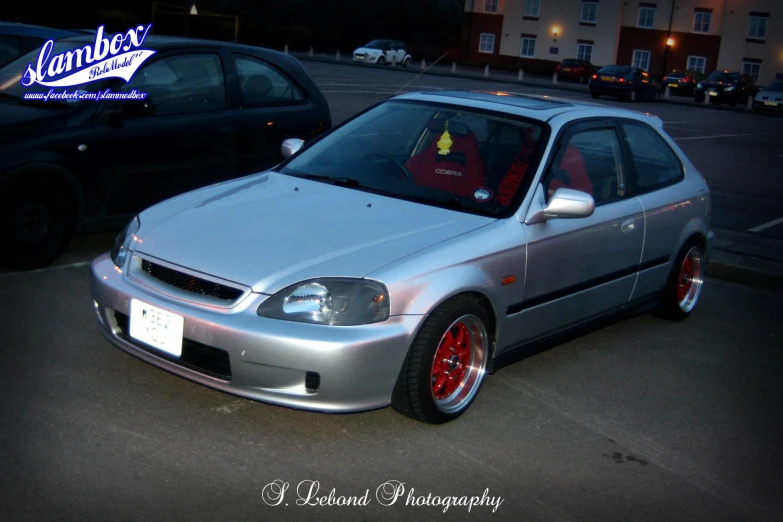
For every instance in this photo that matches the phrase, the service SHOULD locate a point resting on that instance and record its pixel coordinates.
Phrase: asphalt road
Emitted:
(644, 419)
(739, 154)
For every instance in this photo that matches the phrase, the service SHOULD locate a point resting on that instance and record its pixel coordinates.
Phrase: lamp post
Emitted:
(669, 41)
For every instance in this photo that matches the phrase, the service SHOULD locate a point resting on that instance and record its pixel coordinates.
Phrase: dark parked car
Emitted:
(576, 70)
(622, 81)
(215, 111)
(18, 39)
(682, 83)
(730, 87)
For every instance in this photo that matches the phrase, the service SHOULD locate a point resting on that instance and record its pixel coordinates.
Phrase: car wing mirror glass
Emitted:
(290, 147)
(564, 204)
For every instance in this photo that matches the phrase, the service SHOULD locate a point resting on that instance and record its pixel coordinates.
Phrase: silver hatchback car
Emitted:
(409, 252)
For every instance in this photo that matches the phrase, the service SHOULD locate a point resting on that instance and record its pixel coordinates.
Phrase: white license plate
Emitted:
(673, 85)
(157, 328)
(771, 104)
(713, 93)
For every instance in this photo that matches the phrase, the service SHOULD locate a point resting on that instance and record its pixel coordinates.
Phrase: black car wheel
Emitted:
(595, 95)
(38, 217)
(381, 61)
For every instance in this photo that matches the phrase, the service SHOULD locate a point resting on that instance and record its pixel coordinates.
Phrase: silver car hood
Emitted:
(275, 230)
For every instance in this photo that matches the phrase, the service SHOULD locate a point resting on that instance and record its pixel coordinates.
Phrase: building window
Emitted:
(490, 6)
(487, 43)
(589, 12)
(758, 27)
(584, 52)
(646, 16)
(701, 22)
(641, 59)
(532, 7)
(528, 47)
(753, 69)
(697, 64)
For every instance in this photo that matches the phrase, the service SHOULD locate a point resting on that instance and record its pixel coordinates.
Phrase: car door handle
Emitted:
(628, 226)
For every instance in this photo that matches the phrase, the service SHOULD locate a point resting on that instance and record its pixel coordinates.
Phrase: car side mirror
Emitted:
(564, 204)
(290, 147)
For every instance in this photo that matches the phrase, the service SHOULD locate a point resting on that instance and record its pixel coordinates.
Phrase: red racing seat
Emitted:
(459, 172)
(573, 164)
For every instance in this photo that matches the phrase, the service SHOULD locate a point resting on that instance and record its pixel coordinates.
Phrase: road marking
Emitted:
(719, 136)
(769, 224)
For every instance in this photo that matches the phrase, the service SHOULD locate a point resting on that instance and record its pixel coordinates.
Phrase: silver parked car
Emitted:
(409, 252)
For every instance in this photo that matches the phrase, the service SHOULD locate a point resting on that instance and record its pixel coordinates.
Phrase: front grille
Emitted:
(190, 283)
(198, 357)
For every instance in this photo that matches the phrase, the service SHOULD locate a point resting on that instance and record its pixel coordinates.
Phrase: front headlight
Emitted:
(119, 252)
(699, 86)
(730, 88)
(332, 301)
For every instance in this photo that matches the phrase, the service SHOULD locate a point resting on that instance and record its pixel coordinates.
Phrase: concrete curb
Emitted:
(746, 270)
(561, 87)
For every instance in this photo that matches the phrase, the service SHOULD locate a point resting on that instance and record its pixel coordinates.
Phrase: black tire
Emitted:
(595, 95)
(413, 394)
(382, 61)
(406, 62)
(38, 216)
(673, 305)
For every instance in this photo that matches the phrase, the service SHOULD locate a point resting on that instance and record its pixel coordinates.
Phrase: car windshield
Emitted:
(11, 73)
(616, 69)
(377, 44)
(720, 76)
(677, 74)
(774, 87)
(570, 62)
(440, 155)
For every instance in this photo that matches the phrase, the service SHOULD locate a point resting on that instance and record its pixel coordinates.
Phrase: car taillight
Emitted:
(595, 76)
(622, 80)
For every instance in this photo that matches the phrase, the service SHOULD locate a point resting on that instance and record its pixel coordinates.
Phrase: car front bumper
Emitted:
(611, 89)
(298, 365)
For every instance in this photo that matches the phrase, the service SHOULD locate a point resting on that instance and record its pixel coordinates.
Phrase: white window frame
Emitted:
(490, 41)
(586, 3)
(708, 23)
(697, 59)
(634, 62)
(532, 8)
(522, 47)
(491, 6)
(756, 36)
(751, 65)
(652, 18)
(588, 57)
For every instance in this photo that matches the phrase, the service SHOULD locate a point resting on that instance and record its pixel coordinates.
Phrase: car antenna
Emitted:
(422, 72)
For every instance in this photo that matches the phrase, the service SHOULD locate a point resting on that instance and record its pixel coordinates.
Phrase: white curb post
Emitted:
(311, 52)
(486, 71)
(554, 78)
(666, 94)
(520, 75)
(423, 64)
(394, 60)
(285, 49)
(706, 98)
(337, 56)
(750, 103)
(454, 67)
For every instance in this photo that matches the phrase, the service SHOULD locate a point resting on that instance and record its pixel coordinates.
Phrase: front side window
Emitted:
(697, 63)
(262, 85)
(434, 154)
(752, 69)
(584, 52)
(532, 7)
(758, 27)
(641, 60)
(589, 12)
(487, 43)
(590, 161)
(490, 6)
(528, 47)
(701, 22)
(182, 84)
(655, 163)
(646, 16)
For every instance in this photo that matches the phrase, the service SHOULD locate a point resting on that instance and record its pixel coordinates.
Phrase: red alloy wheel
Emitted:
(452, 361)
(686, 279)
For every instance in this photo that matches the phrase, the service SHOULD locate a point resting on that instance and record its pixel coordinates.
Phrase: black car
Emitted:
(214, 111)
(682, 83)
(730, 87)
(17, 39)
(622, 81)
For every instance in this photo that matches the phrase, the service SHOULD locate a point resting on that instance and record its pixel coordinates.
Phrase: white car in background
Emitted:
(383, 52)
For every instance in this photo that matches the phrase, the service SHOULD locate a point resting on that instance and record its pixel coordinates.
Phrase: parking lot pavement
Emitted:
(642, 420)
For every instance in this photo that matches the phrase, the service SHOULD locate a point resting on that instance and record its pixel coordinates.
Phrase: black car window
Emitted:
(590, 161)
(655, 163)
(262, 85)
(720, 76)
(181, 84)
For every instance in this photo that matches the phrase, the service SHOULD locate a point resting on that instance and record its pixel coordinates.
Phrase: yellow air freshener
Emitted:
(444, 143)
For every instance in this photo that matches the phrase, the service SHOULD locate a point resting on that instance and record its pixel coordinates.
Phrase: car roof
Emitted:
(538, 107)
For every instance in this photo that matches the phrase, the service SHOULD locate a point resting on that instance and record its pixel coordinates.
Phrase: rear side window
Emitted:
(655, 163)
(262, 85)
(10, 47)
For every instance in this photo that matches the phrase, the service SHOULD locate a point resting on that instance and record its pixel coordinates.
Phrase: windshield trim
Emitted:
(522, 190)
